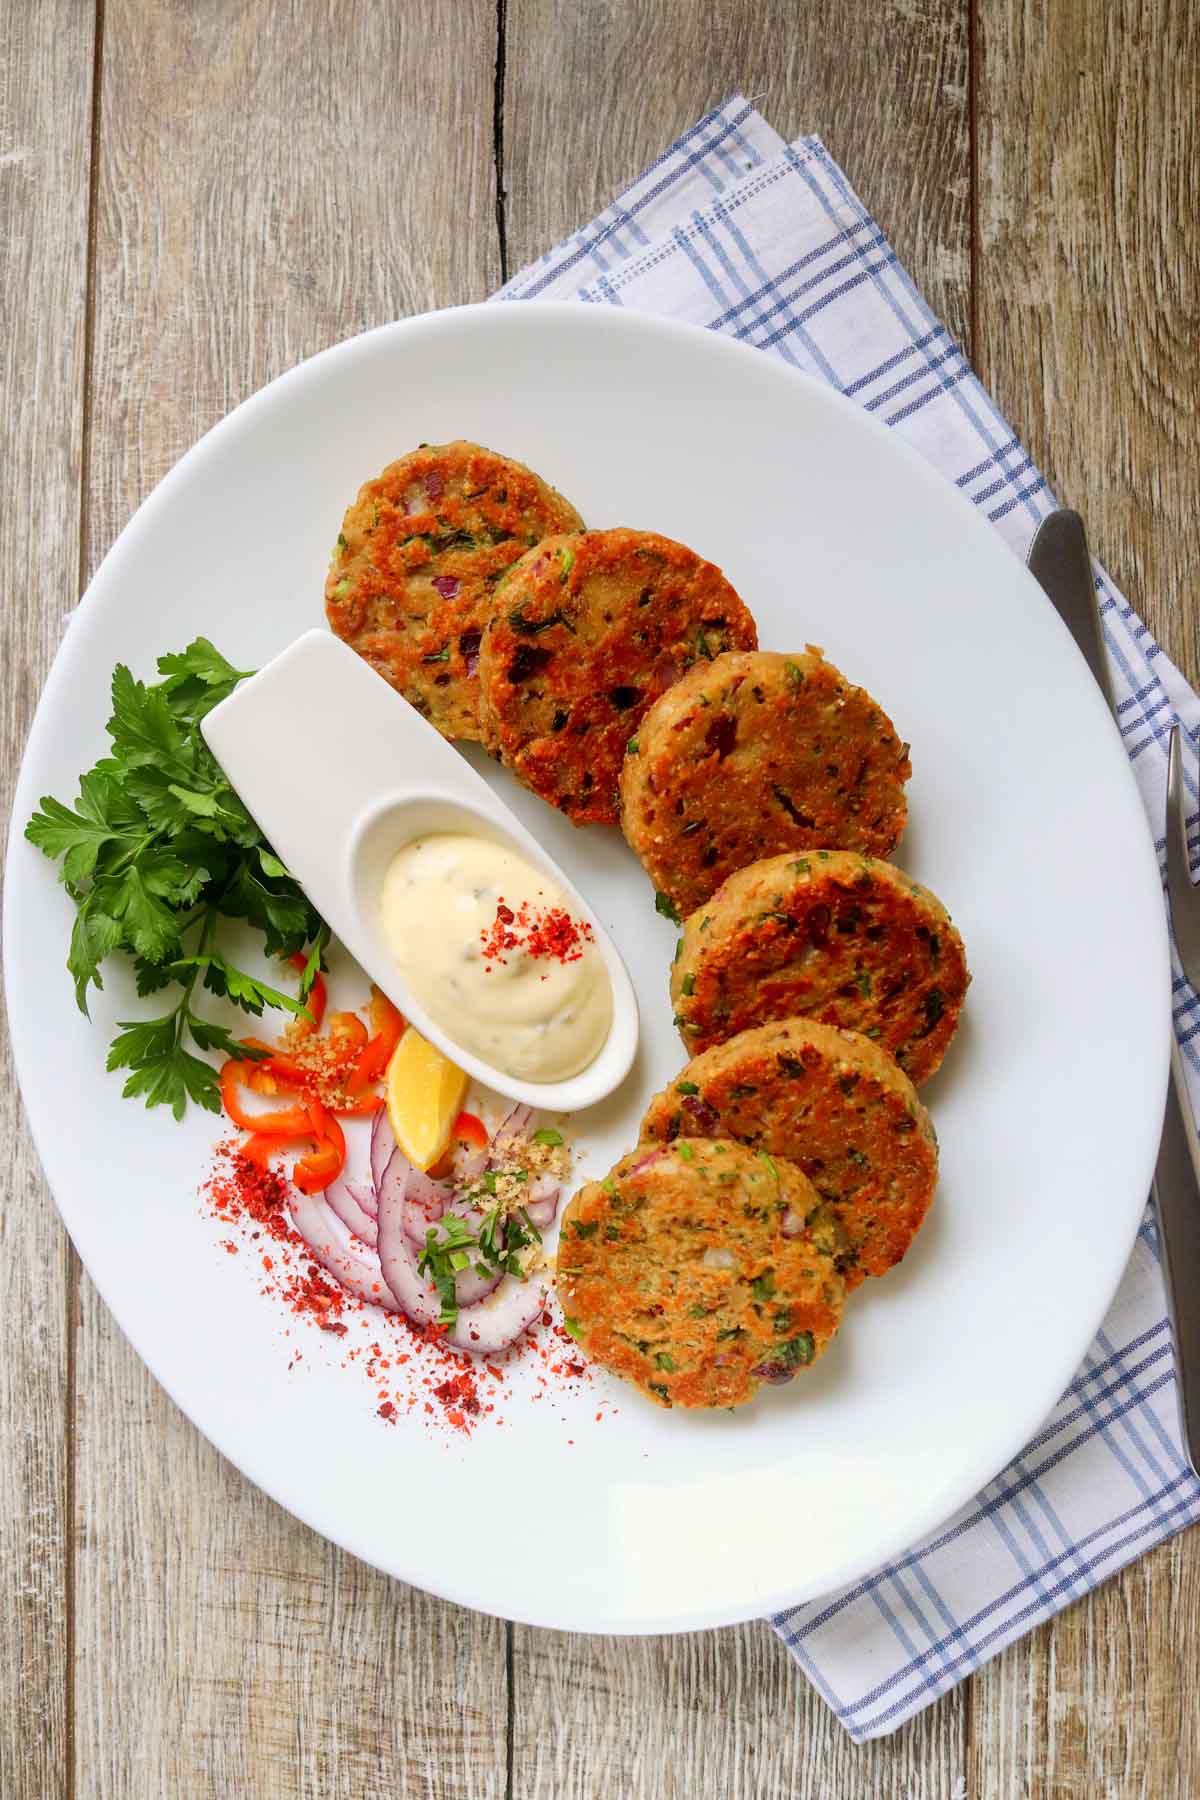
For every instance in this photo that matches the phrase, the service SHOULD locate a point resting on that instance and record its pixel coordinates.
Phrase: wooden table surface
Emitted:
(194, 196)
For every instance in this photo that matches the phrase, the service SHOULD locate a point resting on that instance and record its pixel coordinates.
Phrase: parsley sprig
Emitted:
(493, 1250)
(155, 853)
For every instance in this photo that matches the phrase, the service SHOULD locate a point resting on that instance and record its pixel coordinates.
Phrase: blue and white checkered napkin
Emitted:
(733, 229)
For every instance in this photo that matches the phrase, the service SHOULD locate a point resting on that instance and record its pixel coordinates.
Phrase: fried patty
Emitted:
(416, 563)
(757, 754)
(833, 936)
(586, 633)
(699, 1270)
(833, 1103)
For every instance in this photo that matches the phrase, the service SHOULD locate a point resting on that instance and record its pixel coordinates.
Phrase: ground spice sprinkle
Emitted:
(547, 932)
(412, 1372)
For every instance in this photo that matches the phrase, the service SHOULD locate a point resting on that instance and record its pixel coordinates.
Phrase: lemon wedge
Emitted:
(424, 1097)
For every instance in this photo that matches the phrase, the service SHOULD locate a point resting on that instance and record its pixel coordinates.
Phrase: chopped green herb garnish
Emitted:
(659, 1388)
(797, 1350)
(664, 1360)
(585, 1230)
(490, 1179)
(803, 867)
(763, 1286)
(566, 556)
(733, 1331)
(794, 673)
(770, 1162)
(609, 1185)
(678, 950)
(574, 1327)
(935, 1006)
(686, 1087)
(685, 1150)
(631, 748)
(666, 906)
(687, 986)
(549, 1137)
(702, 644)
(863, 983)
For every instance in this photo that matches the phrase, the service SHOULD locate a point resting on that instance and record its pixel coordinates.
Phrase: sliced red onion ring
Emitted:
(420, 1213)
(416, 1297)
(499, 1320)
(434, 484)
(542, 1211)
(356, 1270)
(342, 1199)
(644, 1162)
(513, 1125)
(420, 1199)
(471, 1286)
(791, 1224)
(470, 1167)
(383, 1148)
(446, 585)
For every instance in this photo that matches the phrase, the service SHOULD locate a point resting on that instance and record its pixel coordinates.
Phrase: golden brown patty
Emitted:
(417, 560)
(699, 1270)
(585, 635)
(832, 936)
(833, 1103)
(757, 754)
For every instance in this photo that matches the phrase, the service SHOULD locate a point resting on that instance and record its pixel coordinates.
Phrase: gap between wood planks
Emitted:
(71, 1269)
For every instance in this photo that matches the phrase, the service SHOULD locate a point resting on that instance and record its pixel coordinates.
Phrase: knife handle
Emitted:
(1177, 1201)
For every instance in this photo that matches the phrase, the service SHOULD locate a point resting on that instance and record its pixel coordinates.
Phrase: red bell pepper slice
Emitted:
(292, 1121)
(377, 1052)
(470, 1129)
(313, 1173)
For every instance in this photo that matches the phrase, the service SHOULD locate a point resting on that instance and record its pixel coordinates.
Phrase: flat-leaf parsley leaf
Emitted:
(156, 852)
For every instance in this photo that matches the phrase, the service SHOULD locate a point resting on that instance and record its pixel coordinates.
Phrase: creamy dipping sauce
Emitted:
(493, 952)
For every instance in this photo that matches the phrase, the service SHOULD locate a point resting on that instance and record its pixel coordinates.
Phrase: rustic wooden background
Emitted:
(194, 194)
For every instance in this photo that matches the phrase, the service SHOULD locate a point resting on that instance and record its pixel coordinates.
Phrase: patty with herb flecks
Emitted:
(586, 633)
(700, 1270)
(833, 1103)
(757, 754)
(416, 564)
(830, 935)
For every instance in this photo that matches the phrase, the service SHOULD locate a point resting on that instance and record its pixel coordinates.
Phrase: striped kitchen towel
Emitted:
(735, 230)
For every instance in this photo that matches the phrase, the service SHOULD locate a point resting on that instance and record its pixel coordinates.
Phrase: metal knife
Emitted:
(1060, 562)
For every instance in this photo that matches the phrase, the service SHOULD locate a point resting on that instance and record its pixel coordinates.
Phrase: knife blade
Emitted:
(1060, 562)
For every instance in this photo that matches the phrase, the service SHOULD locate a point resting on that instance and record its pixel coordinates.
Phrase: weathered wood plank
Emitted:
(719, 1713)
(45, 158)
(1089, 275)
(592, 95)
(1088, 301)
(271, 179)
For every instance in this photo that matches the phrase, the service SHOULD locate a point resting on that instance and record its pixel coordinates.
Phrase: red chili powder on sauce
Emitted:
(546, 931)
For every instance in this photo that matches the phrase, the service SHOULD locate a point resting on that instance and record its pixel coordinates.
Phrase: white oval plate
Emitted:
(1024, 818)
